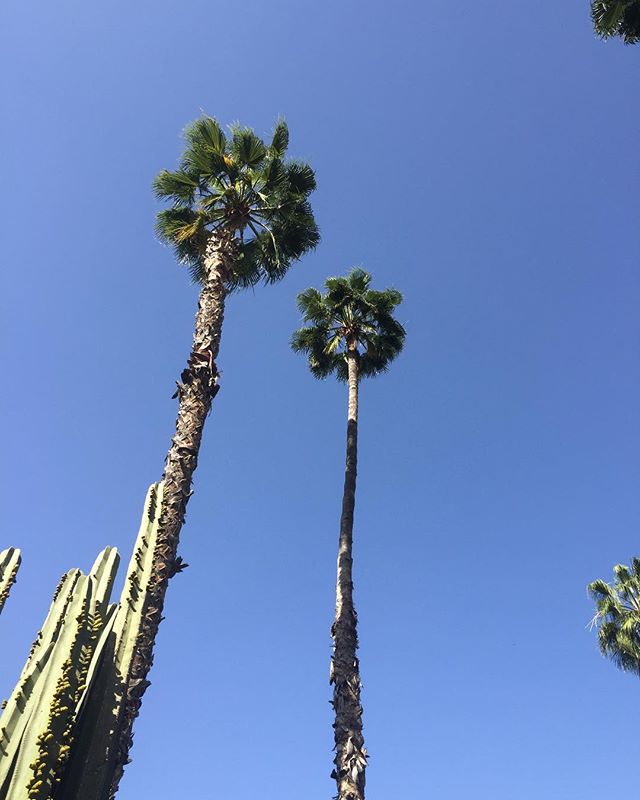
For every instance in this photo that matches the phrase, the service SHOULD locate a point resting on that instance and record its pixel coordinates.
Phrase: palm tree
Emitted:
(239, 215)
(618, 616)
(617, 18)
(353, 334)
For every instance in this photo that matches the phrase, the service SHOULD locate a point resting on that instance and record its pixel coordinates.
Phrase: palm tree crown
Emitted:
(617, 18)
(349, 316)
(246, 188)
(618, 616)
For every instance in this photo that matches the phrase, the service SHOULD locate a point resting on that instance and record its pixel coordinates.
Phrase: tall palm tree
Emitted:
(351, 333)
(617, 18)
(239, 215)
(618, 616)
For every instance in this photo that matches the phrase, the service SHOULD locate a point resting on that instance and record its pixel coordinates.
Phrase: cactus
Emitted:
(61, 729)
(37, 725)
(9, 565)
(101, 750)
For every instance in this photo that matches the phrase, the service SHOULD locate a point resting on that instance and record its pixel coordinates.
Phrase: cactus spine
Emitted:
(9, 565)
(60, 732)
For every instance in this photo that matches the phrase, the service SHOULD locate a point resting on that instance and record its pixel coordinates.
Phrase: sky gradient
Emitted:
(481, 158)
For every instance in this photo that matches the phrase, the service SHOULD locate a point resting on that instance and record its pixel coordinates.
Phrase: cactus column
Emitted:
(37, 725)
(60, 731)
(9, 565)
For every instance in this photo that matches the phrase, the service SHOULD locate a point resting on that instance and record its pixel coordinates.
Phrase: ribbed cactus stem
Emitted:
(10, 561)
(100, 747)
(38, 723)
(64, 732)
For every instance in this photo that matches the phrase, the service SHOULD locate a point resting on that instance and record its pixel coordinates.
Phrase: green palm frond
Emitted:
(617, 18)
(349, 314)
(178, 186)
(617, 616)
(206, 133)
(274, 177)
(245, 187)
(621, 571)
(312, 342)
(301, 177)
(280, 139)
(206, 163)
(246, 148)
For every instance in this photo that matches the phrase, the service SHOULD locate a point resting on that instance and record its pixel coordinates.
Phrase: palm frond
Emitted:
(600, 590)
(206, 133)
(247, 148)
(311, 306)
(204, 162)
(617, 18)
(178, 186)
(273, 177)
(358, 280)
(312, 342)
(171, 225)
(607, 16)
(349, 314)
(618, 616)
(302, 179)
(280, 139)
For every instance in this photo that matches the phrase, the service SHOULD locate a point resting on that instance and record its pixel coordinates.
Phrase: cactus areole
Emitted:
(10, 560)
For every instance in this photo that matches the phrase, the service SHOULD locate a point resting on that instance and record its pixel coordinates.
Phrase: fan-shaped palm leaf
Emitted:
(618, 616)
(617, 18)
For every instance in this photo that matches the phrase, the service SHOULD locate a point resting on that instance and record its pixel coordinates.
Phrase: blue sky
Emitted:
(482, 158)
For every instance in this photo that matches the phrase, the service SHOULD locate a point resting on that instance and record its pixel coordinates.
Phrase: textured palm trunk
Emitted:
(196, 390)
(351, 756)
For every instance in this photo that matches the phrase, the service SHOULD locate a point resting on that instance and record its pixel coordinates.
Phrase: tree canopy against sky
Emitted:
(617, 18)
(618, 616)
(243, 187)
(459, 157)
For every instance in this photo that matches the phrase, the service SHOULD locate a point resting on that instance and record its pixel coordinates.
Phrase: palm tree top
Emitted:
(618, 616)
(349, 317)
(617, 18)
(244, 187)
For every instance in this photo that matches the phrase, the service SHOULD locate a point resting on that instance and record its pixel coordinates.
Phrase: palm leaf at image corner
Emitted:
(617, 18)
(617, 616)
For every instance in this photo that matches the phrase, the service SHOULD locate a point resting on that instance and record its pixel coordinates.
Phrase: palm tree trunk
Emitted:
(196, 390)
(351, 756)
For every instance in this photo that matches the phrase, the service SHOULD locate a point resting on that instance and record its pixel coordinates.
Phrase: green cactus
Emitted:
(100, 733)
(37, 725)
(9, 565)
(61, 729)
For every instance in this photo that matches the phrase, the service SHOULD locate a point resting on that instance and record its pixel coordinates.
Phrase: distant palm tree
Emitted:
(353, 334)
(617, 18)
(618, 616)
(239, 215)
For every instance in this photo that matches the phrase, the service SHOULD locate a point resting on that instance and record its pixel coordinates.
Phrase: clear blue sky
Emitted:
(482, 158)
